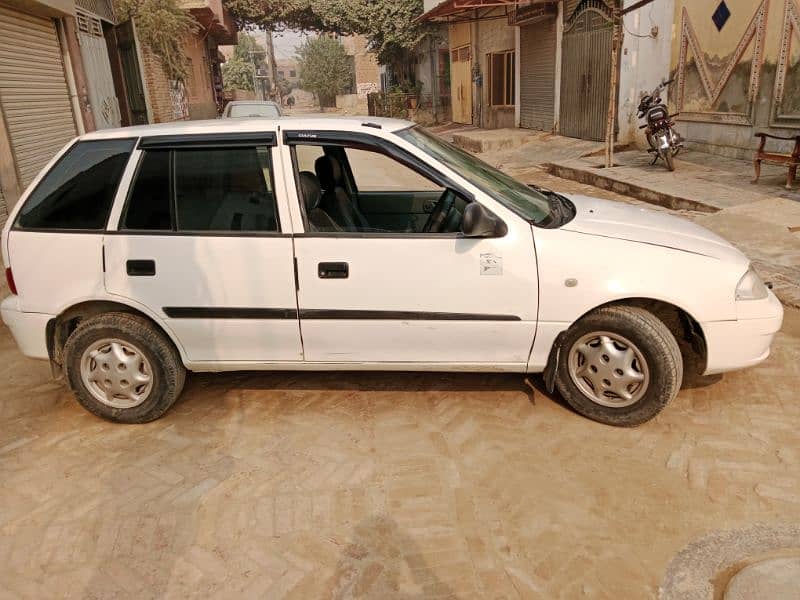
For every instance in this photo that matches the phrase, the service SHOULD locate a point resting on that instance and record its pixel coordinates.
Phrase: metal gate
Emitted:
(586, 71)
(537, 75)
(126, 43)
(94, 51)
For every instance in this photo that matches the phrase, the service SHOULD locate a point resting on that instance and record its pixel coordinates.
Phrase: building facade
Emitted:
(737, 72)
(68, 66)
(39, 98)
(200, 95)
(546, 64)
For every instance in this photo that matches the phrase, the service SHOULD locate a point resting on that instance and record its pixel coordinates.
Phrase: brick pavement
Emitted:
(380, 485)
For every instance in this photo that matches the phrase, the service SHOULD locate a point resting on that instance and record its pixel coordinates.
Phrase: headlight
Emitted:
(751, 287)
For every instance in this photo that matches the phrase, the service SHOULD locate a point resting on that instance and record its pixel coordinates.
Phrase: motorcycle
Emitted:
(659, 130)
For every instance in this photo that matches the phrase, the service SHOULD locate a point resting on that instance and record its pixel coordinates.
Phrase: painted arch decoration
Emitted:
(786, 94)
(717, 76)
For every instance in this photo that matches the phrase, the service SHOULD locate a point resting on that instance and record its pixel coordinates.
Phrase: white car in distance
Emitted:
(351, 243)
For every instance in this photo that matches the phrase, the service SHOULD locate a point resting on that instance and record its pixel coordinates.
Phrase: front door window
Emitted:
(360, 189)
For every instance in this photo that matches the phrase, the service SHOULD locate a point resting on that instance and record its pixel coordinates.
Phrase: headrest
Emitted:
(309, 187)
(329, 172)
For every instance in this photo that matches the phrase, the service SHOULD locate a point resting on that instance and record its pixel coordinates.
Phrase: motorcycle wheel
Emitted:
(668, 159)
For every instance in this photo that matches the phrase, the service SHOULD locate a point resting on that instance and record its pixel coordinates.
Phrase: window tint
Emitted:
(226, 189)
(148, 203)
(78, 191)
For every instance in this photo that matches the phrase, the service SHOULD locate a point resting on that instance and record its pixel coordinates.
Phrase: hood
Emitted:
(611, 219)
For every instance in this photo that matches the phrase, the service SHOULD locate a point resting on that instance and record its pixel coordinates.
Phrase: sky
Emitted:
(285, 42)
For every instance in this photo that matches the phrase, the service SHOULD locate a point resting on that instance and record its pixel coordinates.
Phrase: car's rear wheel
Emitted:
(619, 365)
(122, 368)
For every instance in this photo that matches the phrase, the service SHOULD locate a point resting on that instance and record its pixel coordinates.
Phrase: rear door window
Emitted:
(77, 193)
(202, 189)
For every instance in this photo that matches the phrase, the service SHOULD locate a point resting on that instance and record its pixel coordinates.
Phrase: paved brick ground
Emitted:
(382, 486)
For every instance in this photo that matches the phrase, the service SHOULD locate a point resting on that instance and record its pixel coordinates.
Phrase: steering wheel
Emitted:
(438, 215)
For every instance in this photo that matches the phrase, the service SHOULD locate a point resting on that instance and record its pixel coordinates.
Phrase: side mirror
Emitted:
(478, 222)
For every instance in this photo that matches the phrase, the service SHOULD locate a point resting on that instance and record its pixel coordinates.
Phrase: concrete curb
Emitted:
(591, 177)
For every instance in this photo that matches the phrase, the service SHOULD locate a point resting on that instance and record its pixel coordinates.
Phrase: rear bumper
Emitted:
(746, 341)
(29, 329)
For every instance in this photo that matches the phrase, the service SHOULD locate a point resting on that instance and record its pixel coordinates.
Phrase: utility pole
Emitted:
(617, 14)
(616, 42)
(272, 65)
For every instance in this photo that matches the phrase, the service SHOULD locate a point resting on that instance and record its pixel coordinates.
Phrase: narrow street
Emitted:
(379, 485)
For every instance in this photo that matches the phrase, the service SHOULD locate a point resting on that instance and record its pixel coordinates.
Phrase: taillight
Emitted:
(10, 280)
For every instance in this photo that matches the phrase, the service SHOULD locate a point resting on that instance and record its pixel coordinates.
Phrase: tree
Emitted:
(388, 25)
(238, 74)
(239, 70)
(325, 69)
(161, 25)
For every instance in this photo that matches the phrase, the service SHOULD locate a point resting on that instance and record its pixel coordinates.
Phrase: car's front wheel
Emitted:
(122, 368)
(619, 365)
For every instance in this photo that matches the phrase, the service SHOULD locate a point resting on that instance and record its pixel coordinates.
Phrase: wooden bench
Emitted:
(790, 160)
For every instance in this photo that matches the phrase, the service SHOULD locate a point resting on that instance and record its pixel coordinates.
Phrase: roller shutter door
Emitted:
(33, 90)
(537, 75)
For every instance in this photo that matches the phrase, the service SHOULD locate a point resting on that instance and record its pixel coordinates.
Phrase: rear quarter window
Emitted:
(78, 191)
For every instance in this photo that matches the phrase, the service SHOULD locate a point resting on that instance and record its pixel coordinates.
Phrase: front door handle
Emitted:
(333, 270)
(141, 268)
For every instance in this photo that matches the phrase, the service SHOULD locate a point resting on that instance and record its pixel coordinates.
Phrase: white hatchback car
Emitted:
(358, 243)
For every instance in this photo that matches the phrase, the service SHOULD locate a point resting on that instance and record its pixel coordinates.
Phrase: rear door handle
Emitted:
(333, 270)
(141, 268)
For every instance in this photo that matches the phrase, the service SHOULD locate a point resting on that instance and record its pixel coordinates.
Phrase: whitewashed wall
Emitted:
(644, 61)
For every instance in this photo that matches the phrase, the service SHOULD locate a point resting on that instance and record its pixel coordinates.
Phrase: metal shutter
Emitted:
(537, 74)
(33, 90)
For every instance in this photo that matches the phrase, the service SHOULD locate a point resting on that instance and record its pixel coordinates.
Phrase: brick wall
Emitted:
(367, 71)
(202, 104)
(160, 94)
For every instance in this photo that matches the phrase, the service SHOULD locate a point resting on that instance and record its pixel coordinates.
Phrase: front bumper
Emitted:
(746, 341)
(29, 329)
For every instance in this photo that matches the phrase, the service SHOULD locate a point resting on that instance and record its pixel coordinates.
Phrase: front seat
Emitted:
(335, 199)
(318, 219)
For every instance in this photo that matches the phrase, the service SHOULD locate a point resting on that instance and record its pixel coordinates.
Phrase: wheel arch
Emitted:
(682, 324)
(62, 325)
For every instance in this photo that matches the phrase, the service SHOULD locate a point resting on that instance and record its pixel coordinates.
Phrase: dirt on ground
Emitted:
(382, 485)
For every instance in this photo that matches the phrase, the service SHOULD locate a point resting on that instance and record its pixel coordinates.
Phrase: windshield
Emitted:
(522, 199)
(253, 110)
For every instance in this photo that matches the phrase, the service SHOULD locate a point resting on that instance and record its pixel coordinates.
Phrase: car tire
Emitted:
(122, 368)
(632, 332)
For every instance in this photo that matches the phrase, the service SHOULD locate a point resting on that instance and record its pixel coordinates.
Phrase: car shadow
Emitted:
(365, 381)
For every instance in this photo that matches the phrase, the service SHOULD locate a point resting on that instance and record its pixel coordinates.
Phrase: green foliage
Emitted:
(325, 69)
(161, 25)
(238, 71)
(388, 25)
(238, 74)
